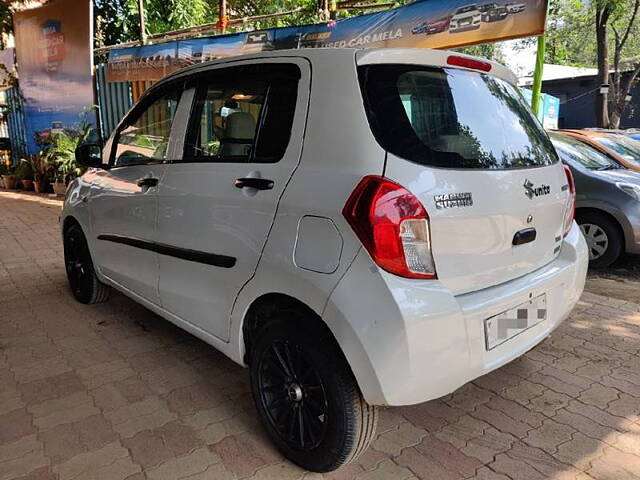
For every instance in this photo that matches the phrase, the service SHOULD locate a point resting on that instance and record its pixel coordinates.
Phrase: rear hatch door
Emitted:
(466, 144)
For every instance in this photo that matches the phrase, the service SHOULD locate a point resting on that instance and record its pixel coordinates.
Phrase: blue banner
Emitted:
(422, 24)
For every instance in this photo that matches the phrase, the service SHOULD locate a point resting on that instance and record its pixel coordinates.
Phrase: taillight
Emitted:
(570, 210)
(393, 226)
(465, 62)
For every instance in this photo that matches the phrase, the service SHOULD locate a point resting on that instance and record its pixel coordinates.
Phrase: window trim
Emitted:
(143, 104)
(201, 83)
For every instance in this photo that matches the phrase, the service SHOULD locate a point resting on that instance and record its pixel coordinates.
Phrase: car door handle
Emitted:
(147, 182)
(257, 183)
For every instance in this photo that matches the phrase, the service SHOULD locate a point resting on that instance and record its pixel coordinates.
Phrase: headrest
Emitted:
(240, 126)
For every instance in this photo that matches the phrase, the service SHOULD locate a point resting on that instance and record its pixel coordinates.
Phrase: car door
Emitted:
(217, 204)
(123, 200)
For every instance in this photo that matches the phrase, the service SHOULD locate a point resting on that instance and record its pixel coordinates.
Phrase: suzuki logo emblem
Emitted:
(530, 190)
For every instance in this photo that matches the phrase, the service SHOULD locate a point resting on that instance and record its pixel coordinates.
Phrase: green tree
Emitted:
(598, 33)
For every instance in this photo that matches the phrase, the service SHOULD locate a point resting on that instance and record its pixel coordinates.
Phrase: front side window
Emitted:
(452, 118)
(146, 139)
(243, 114)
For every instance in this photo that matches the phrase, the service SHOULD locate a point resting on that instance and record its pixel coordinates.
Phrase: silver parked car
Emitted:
(608, 200)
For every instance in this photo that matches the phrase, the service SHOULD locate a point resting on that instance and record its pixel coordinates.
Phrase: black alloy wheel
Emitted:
(306, 394)
(84, 283)
(293, 396)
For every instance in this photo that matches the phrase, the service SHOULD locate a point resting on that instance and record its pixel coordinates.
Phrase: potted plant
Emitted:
(24, 174)
(59, 185)
(41, 166)
(9, 178)
(63, 151)
(3, 170)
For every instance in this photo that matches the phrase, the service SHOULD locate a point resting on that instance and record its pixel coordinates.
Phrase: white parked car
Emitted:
(465, 18)
(370, 227)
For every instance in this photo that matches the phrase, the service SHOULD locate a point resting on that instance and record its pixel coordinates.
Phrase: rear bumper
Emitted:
(410, 341)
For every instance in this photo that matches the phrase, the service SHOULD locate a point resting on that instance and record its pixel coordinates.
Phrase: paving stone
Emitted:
(62, 410)
(385, 471)
(549, 402)
(393, 441)
(21, 457)
(549, 435)
(136, 417)
(15, 424)
(51, 387)
(524, 392)
(194, 463)
(455, 460)
(151, 447)
(598, 395)
(245, 454)
(10, 399)
(580, 451)
(111, 461)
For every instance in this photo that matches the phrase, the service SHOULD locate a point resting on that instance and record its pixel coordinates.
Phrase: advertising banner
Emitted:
(53, 50)
(7, 68)
(422, 24)
(548, 108)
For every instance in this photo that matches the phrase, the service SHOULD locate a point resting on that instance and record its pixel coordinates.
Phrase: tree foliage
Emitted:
(598, 33)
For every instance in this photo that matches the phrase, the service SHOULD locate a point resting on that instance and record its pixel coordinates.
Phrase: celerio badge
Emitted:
(530, 190)
(450, 200)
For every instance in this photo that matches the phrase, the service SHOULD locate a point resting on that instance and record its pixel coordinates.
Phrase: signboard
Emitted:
(7, 67)
(53, 50)
(422, 24)
(549, 108)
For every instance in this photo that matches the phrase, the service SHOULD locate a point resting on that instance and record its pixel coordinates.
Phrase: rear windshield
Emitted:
(452, 118)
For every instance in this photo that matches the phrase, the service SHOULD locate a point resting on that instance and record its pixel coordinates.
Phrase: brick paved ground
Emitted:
(114, 392)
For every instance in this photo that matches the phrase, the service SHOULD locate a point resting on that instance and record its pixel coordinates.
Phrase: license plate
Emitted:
(505, 326)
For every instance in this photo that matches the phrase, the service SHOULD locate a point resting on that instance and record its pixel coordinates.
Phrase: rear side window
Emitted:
(243, 114)
(452, 118)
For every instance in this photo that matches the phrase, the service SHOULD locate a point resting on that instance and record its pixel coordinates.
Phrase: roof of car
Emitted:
(586, 133)
(416, 56)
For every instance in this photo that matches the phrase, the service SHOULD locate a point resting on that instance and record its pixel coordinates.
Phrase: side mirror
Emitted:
(89, 155)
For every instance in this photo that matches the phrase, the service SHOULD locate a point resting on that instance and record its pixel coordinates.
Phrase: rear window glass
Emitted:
(452, 118)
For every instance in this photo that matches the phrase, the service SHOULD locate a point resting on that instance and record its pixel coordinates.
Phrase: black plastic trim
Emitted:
(527, 235)
(213, 259)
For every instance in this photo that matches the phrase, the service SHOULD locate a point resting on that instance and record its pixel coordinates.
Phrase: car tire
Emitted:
(81, 274)
(299, 376)
(603, 236)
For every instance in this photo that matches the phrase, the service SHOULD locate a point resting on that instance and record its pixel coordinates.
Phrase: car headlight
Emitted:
(630, 189)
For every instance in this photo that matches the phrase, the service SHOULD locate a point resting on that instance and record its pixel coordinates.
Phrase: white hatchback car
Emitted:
(360, 228)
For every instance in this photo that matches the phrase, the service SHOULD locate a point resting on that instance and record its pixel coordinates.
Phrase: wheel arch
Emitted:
(261, 311)
(69, 221)
(616, 221)
(353, 352)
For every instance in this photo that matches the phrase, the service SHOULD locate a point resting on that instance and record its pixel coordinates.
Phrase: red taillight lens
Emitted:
(393, 226)
(570, 211)
(465, 62)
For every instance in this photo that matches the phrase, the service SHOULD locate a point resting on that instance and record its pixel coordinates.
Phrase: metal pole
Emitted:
(223, 20)
(537, 75)
(143, 29)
